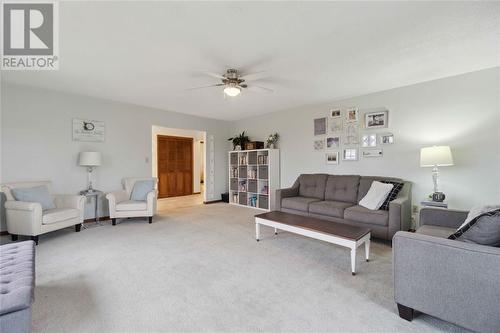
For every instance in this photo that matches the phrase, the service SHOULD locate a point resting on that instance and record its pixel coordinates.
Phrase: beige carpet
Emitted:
(199, 269)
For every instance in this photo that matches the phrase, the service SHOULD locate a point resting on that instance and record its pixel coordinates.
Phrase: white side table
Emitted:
(96, 194)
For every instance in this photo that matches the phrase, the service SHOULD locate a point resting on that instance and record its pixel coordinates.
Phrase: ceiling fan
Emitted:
(233, 82)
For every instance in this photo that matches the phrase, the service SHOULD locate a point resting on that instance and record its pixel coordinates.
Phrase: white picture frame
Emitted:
(332, 157)
(319, 145)
(332, 142)
(378, 119)
(88, 130)
(320, 126)
(351, 133)
(352, 115)
(370, 153)
(369, 140)
(386, 139)
(335, 113)
(335, 125)
(350, 154)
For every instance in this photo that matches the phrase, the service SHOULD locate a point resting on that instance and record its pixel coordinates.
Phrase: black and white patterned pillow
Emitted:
(483, 229)
(392, 195)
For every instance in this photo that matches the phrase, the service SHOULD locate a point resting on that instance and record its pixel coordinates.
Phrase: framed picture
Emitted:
(335, 125)
(376, 119)
(386, 139)
(332, 158)
(88, 130)
(319, 145)
(350, 154)
(351, 115)
(332, 142)
(351, 134)
(335, 113)
(372, 153)
(319, 126)
(369, 140)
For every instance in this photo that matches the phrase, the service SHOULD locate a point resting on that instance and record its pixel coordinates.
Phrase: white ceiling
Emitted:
(149, 53)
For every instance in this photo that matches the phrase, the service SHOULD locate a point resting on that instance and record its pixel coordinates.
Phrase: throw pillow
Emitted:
(393, 194)
(376, 195)
(141, 189)
(38, 194)
(484, 230)
(478, 210)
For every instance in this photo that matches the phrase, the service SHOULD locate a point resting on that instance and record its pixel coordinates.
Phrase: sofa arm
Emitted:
(151, 202)
(69, 201)
(449, 218)
(399, 215)
(449, 279)
(114, 198)
(23, 218)
(285, 193)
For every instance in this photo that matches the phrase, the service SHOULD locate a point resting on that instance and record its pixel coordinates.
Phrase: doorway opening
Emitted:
(178, 161)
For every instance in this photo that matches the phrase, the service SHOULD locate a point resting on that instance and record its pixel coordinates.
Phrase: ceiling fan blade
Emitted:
(253, 76)
(261, 89)
(213, 85)
(218, 76)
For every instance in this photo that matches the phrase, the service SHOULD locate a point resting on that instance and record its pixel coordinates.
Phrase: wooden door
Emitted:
(175, 166)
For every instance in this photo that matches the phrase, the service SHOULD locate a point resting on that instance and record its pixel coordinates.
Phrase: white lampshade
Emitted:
(436, 156)
(89, 158)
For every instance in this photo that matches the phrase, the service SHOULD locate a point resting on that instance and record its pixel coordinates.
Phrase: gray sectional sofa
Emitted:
(336, 198)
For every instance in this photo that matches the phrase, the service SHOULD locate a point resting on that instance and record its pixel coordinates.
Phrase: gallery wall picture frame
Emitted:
(372, 153)
(332, 142)
(335, 113)
(351, 133)
(350, 154)
(335, 125)
(88, 130)
(332, 157)
(369, 140)
(319, 145)
(352, 114)
(320, 126)
(386, 139)
(378, 119)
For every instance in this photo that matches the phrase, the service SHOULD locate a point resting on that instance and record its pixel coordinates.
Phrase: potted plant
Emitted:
(272, 140)
(239, 141)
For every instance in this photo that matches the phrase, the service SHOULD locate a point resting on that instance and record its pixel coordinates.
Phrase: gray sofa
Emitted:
(449, 279)
(336, 198)
(17, 286)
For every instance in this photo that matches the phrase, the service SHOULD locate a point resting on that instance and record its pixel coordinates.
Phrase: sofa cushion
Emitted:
(131, 205)
(312, 186)
(484, 230)
(342, 188)
(141, 189)
(297, 203)
(393, 194)
(366, 182)
(376, 195)
(38, 194)
(365, 215)
(59, 214)
(329, 208)
(436, 231)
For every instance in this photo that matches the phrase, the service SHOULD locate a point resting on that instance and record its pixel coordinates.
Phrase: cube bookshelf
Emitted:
(254, 177)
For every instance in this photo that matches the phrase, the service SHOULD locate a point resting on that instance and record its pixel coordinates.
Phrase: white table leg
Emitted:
(367, 250)
(353, 260)
(275, 231)
(257, 231)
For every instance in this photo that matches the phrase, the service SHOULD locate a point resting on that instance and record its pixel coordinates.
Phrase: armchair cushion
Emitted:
(298, 203)
(141, 189)
(365, 215)
(484, 230)
(38, 194)
(59, 214)
(436, 231)
(131, 205)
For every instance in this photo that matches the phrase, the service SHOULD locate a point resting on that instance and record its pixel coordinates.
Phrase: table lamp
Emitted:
(89, 159)
(435, 157)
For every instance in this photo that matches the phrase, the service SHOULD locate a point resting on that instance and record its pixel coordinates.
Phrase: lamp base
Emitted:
(438, 196)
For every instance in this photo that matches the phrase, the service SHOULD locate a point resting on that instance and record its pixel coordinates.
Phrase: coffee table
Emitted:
(336, 233)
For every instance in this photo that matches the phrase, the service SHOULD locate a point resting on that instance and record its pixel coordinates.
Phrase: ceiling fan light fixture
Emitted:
(232, 90)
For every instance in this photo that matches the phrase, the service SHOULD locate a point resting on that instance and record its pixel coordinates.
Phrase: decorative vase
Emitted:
(271, 146)
(237, 147)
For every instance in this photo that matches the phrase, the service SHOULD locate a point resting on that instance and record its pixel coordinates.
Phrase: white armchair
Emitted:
(120, 205)
(28, 218)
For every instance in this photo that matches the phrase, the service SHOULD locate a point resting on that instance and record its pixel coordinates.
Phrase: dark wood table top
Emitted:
(327, 227)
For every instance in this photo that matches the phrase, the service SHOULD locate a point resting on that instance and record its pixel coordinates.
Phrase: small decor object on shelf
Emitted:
(350, 154)
(332, 142)
(332, 158)
(252, 145)
(319, 145)
(372, 153)
(369, 140)
(376, 119)
(352, 114)
(239, 140)
(272, 140)
(386, 139)
(435, 157)
(320, 126)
